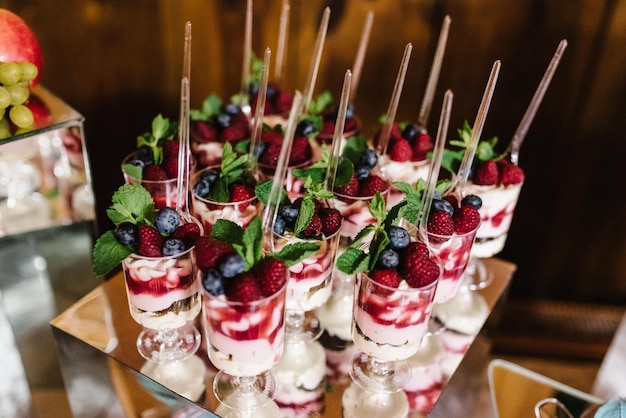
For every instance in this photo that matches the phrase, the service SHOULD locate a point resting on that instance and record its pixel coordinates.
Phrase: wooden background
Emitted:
(119, 63)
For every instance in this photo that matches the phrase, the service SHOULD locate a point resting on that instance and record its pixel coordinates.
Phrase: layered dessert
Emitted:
(224, 192)
(451, 229)
(301, 376)
(213, 125)
(154, 164)
(427, 380)
(163, 293)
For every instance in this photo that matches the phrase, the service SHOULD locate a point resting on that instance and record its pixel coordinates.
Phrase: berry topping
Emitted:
(170, 166)
(331, 220)
(388, 259)
(350, 189)
(149, 242)
(209, 251)
(486, 174)
(170, 149)
(244, 288)
(386, 277)
(242, 193)
(399, 238)
(443, 205)
(410, 132)
(422, 146)
(154, 173)
(188, 233)
(422, 273)
(301, 151)
(440, 223)
(231, 265)
(212, 282)
(126, 233)
(371, 185)
(472, 200)
(510, 173)
(173, 246)
(272, 274)
(369, 158)
(314, 228)
(167, 220)
(401, 150)
(466, 219)
(416, 250)
(204, 132)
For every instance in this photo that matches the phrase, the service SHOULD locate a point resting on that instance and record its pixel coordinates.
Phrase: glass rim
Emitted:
(408, 289)
(455, 234)
(235, 303)
(126, 160)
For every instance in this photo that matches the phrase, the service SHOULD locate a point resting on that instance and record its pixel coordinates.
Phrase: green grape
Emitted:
(2, 112)
(29, 71)
(10, 73)
(19, 93)
(21, 116)
(5, 129)
(5, 98)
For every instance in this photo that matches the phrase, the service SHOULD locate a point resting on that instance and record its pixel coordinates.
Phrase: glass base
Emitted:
(358, 402)
(302, 325)
(477, 276)
(185, 377)
(244, 393)
(379, 376)
(161, 346)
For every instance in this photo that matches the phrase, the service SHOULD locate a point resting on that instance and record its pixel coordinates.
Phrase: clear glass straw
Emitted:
(255, 138)
(247, 52)
(357, 68)
(383, 141)
(182, 181)
(433, 77)
(522, 129)
(315, 61)
(331, 170)
(281, 48)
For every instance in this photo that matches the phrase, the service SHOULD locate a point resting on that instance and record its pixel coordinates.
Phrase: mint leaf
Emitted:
(162, 130)
(353, 261)
(131, 203)
(263, 189)
(227, 231)
(320, 103)
(108, 253)
(377, 207)
(252, 243)
(363, 233)
(133, 171)
(355, 146)
(210, 107)
(378, 244)
(292, 254)
(307, 208)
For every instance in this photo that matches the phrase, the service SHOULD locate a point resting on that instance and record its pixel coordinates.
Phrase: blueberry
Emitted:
(361, 172)
(209, 175)
(350, 111)
(232, 109)
(137, 162)
(399, 238)
(253, 89)
(437, 195)
(222, 120)
(369, 158)
(289, 213)
(443, 205)
(167, 220)
(261, 148)
(272, 93)
(126, 233)
(388, 259)
(279, 226)
(212, 282)
(173, 246)
(472, 200)
(202, 188)
(305, 128)
(145, 154)
(232, 266)
(410, 132)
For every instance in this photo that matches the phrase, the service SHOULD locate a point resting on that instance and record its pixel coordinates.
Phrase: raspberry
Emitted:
(203, 131)
(269, 157)
(241, 193)
(273, 275)
(188, 233)
(416, 250)
(170, 166)
(209, 251)
(314, 228)
(154, 173)
(486, 173)
(233, 133)
(422, 273)
(283, 102)
(371, 185)
(170, 149)
(243, 288)
(300, 151)
(466, 219)
(453, 200)
(386, 277)
(273, 137)
(328, 128)
(350, 189)
(331, 220)
(400, 150)
(440, 223)
(149, 242)
(510, 173)
(423, 145)
(396, 133)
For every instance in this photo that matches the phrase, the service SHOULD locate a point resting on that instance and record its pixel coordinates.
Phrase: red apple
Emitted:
(18, 43)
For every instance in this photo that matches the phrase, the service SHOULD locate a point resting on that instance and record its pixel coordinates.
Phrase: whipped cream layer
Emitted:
(496, 215)
(407, 172)
(206, 154)
(209, 212)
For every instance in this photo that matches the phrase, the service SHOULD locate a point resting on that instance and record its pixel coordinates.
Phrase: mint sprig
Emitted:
(413, 195)
(313, 191)
(162, 130)
(130, 203)
(248, 243)
(211, 106)
(233, 169)
(485, 150)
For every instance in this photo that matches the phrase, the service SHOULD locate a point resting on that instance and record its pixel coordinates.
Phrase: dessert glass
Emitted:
(208, 211)
(164, 298)
(163, 192)
(244, 341)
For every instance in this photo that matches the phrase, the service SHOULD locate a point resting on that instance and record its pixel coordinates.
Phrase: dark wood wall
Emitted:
(119, 63)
